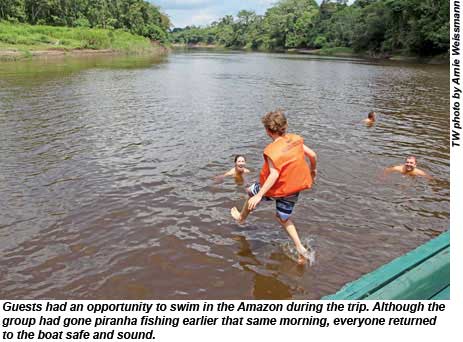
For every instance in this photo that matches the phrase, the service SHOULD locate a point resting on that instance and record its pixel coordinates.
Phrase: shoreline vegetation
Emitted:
(405, 30)
(327, 52)
(56, 28)
(374, 29)
(20, 41)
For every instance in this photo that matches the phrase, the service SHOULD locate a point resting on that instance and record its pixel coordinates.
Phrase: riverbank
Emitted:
(335, 52)
(19, 41)
(348, 52)
(332, 52)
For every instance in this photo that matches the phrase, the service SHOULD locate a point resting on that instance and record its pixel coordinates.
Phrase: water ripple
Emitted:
(107, 171)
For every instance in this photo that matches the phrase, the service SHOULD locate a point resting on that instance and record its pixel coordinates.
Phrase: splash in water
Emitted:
(290, 250)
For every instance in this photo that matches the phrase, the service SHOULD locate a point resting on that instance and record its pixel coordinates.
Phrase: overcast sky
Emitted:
(203, 12)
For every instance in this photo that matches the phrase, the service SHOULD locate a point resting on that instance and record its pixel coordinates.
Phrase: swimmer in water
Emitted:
(237, 172)
(284, 174)
(407, 169)
(371, 119)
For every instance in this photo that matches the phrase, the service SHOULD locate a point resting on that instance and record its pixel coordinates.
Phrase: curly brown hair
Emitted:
(275, 122)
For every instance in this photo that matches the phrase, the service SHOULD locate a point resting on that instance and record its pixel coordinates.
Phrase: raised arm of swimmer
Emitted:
(392, 169)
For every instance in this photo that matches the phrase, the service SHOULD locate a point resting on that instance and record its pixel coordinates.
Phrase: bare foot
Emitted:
(236, 215)
(301, 260)
(305, 255)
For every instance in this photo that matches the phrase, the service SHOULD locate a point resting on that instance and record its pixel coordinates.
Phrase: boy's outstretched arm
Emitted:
(313, 161)
(271, 179)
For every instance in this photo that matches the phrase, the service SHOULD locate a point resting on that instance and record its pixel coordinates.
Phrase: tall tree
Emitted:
(12, 10)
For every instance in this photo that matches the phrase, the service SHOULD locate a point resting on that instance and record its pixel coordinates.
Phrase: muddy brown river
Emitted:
(107, 166)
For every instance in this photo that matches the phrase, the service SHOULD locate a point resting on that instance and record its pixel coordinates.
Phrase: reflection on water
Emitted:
(107, 166)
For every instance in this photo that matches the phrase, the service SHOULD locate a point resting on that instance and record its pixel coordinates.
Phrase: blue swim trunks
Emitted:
(284, 205)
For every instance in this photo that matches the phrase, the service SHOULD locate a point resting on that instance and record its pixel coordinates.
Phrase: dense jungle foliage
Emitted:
(419, 27)
(136, 16)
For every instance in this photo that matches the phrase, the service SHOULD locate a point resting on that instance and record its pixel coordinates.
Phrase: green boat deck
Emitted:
(423, 273)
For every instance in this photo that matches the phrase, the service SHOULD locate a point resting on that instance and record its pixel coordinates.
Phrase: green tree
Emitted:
(340, 27)
(289, 23)
(241, 27)
(12, 10)
(37, 10)
(418, 26)
(370, 29)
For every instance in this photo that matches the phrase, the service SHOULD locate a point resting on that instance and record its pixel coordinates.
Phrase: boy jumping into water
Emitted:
(284, 174)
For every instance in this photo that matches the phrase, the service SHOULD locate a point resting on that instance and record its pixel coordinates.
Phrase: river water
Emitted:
(107, 166)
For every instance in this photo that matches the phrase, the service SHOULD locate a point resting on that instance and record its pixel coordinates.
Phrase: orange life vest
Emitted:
(287, 155)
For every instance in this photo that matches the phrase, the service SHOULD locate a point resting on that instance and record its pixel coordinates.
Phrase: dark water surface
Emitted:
(106, 170)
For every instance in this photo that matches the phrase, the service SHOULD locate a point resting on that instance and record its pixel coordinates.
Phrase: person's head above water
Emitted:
(275, 122)
(408, 168)
(240, 162)
(410, 163)
(372, 116)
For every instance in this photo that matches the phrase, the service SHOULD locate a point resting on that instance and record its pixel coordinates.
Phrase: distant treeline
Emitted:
(376, 26)
(136, 16)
